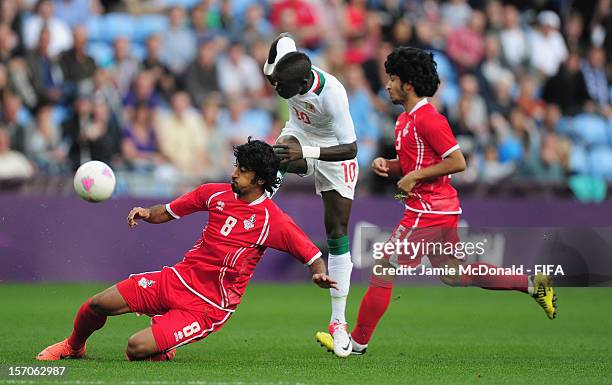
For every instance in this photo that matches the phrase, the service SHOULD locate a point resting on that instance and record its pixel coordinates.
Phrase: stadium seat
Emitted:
(101, 52)
(138, 51)
(600, 162)
(578, 161)
(510, 150)
(445, 68)
(116, 25)
(590, 129)
(95, 28)
(149, 24)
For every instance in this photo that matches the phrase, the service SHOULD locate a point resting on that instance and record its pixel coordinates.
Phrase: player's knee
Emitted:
(96, 303)
(137, 348)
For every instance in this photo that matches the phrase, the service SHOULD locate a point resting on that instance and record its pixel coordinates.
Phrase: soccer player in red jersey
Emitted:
(197, 296)
(427, 155)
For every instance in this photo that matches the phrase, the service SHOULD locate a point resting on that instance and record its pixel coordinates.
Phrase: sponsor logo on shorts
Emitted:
(144, 283)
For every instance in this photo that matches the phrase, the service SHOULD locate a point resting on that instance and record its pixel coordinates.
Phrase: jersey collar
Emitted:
(318, 81)
(259, 200)
(420, 104)
(255, 202)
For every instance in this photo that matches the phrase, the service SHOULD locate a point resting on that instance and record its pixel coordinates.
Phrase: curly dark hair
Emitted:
(416, 67)
(258, 156)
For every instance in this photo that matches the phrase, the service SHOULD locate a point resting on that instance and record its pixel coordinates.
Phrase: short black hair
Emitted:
(258, 156)
(294, 65)
(416, 67)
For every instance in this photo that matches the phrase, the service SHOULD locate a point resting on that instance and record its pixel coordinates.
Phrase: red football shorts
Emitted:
(422, 234)
(178, 316)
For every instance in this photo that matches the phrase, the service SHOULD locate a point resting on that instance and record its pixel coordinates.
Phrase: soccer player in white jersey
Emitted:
(319, 139)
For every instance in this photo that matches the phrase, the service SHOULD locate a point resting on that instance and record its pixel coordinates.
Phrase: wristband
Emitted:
(311, 152)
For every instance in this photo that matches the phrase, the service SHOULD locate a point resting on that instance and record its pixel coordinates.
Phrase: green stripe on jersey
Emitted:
(321, 82)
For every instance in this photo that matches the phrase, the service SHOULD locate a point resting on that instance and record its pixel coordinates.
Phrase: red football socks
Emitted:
(496, 282)
(86, 322)
(373, 306)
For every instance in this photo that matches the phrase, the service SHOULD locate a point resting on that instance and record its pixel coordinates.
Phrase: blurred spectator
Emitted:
(125, 66)
(76, 65)
(573, 31)
(103, 89)
(548, 48)
(75, 12)
(165, 83)
(9, 120)
(514, 41)
(528, 99)
(594, 73)
(90, 132)
(501, 101)
(456, 13)
(182, 138)
(239, 122)
(200, 78)
(141, 92)
(300, 18)
(218, 146)
(492, 169)
(139, 142)
(13, 164)
(44, 72)
(492, 67)
(46, 148)
(8, 43)
(60, 35)
(470, 114)
(200, 22)
(239, 74)
(178, 43)
(363, 114)
(567, 88)
(256, 26)
(465, 45)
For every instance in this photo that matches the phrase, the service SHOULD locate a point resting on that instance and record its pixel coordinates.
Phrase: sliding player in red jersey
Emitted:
(197, 296)
(427, 155)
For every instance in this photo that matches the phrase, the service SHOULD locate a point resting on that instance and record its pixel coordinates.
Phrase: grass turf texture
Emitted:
(428, 336)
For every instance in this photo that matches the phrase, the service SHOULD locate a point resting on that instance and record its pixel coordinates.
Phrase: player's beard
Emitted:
(236, 189)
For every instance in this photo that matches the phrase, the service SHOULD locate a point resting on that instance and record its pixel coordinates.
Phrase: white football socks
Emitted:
(340, 268)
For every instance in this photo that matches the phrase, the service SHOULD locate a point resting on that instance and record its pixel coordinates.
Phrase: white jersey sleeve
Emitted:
(335, 103)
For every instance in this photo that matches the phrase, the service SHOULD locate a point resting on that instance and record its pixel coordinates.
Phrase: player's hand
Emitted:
(324, 281)
(288, 152)
(380, 166)
(406, 184)
(137, 213)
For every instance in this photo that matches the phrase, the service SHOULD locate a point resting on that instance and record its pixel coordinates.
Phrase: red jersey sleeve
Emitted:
(438, 134)
(195, 200)
(285, 235)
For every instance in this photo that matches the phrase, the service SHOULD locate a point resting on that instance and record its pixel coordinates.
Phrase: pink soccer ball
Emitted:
(94, 181)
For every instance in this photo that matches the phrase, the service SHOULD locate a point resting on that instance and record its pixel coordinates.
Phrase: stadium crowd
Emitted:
(163, 88)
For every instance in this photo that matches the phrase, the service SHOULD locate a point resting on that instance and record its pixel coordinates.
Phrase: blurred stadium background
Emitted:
(161, 89)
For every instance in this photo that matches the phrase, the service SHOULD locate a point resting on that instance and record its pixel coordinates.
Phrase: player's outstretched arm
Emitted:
(155, 214)
(292, 151)
(319, 275)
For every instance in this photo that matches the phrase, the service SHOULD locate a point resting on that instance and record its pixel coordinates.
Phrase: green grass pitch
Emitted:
(429, 336)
